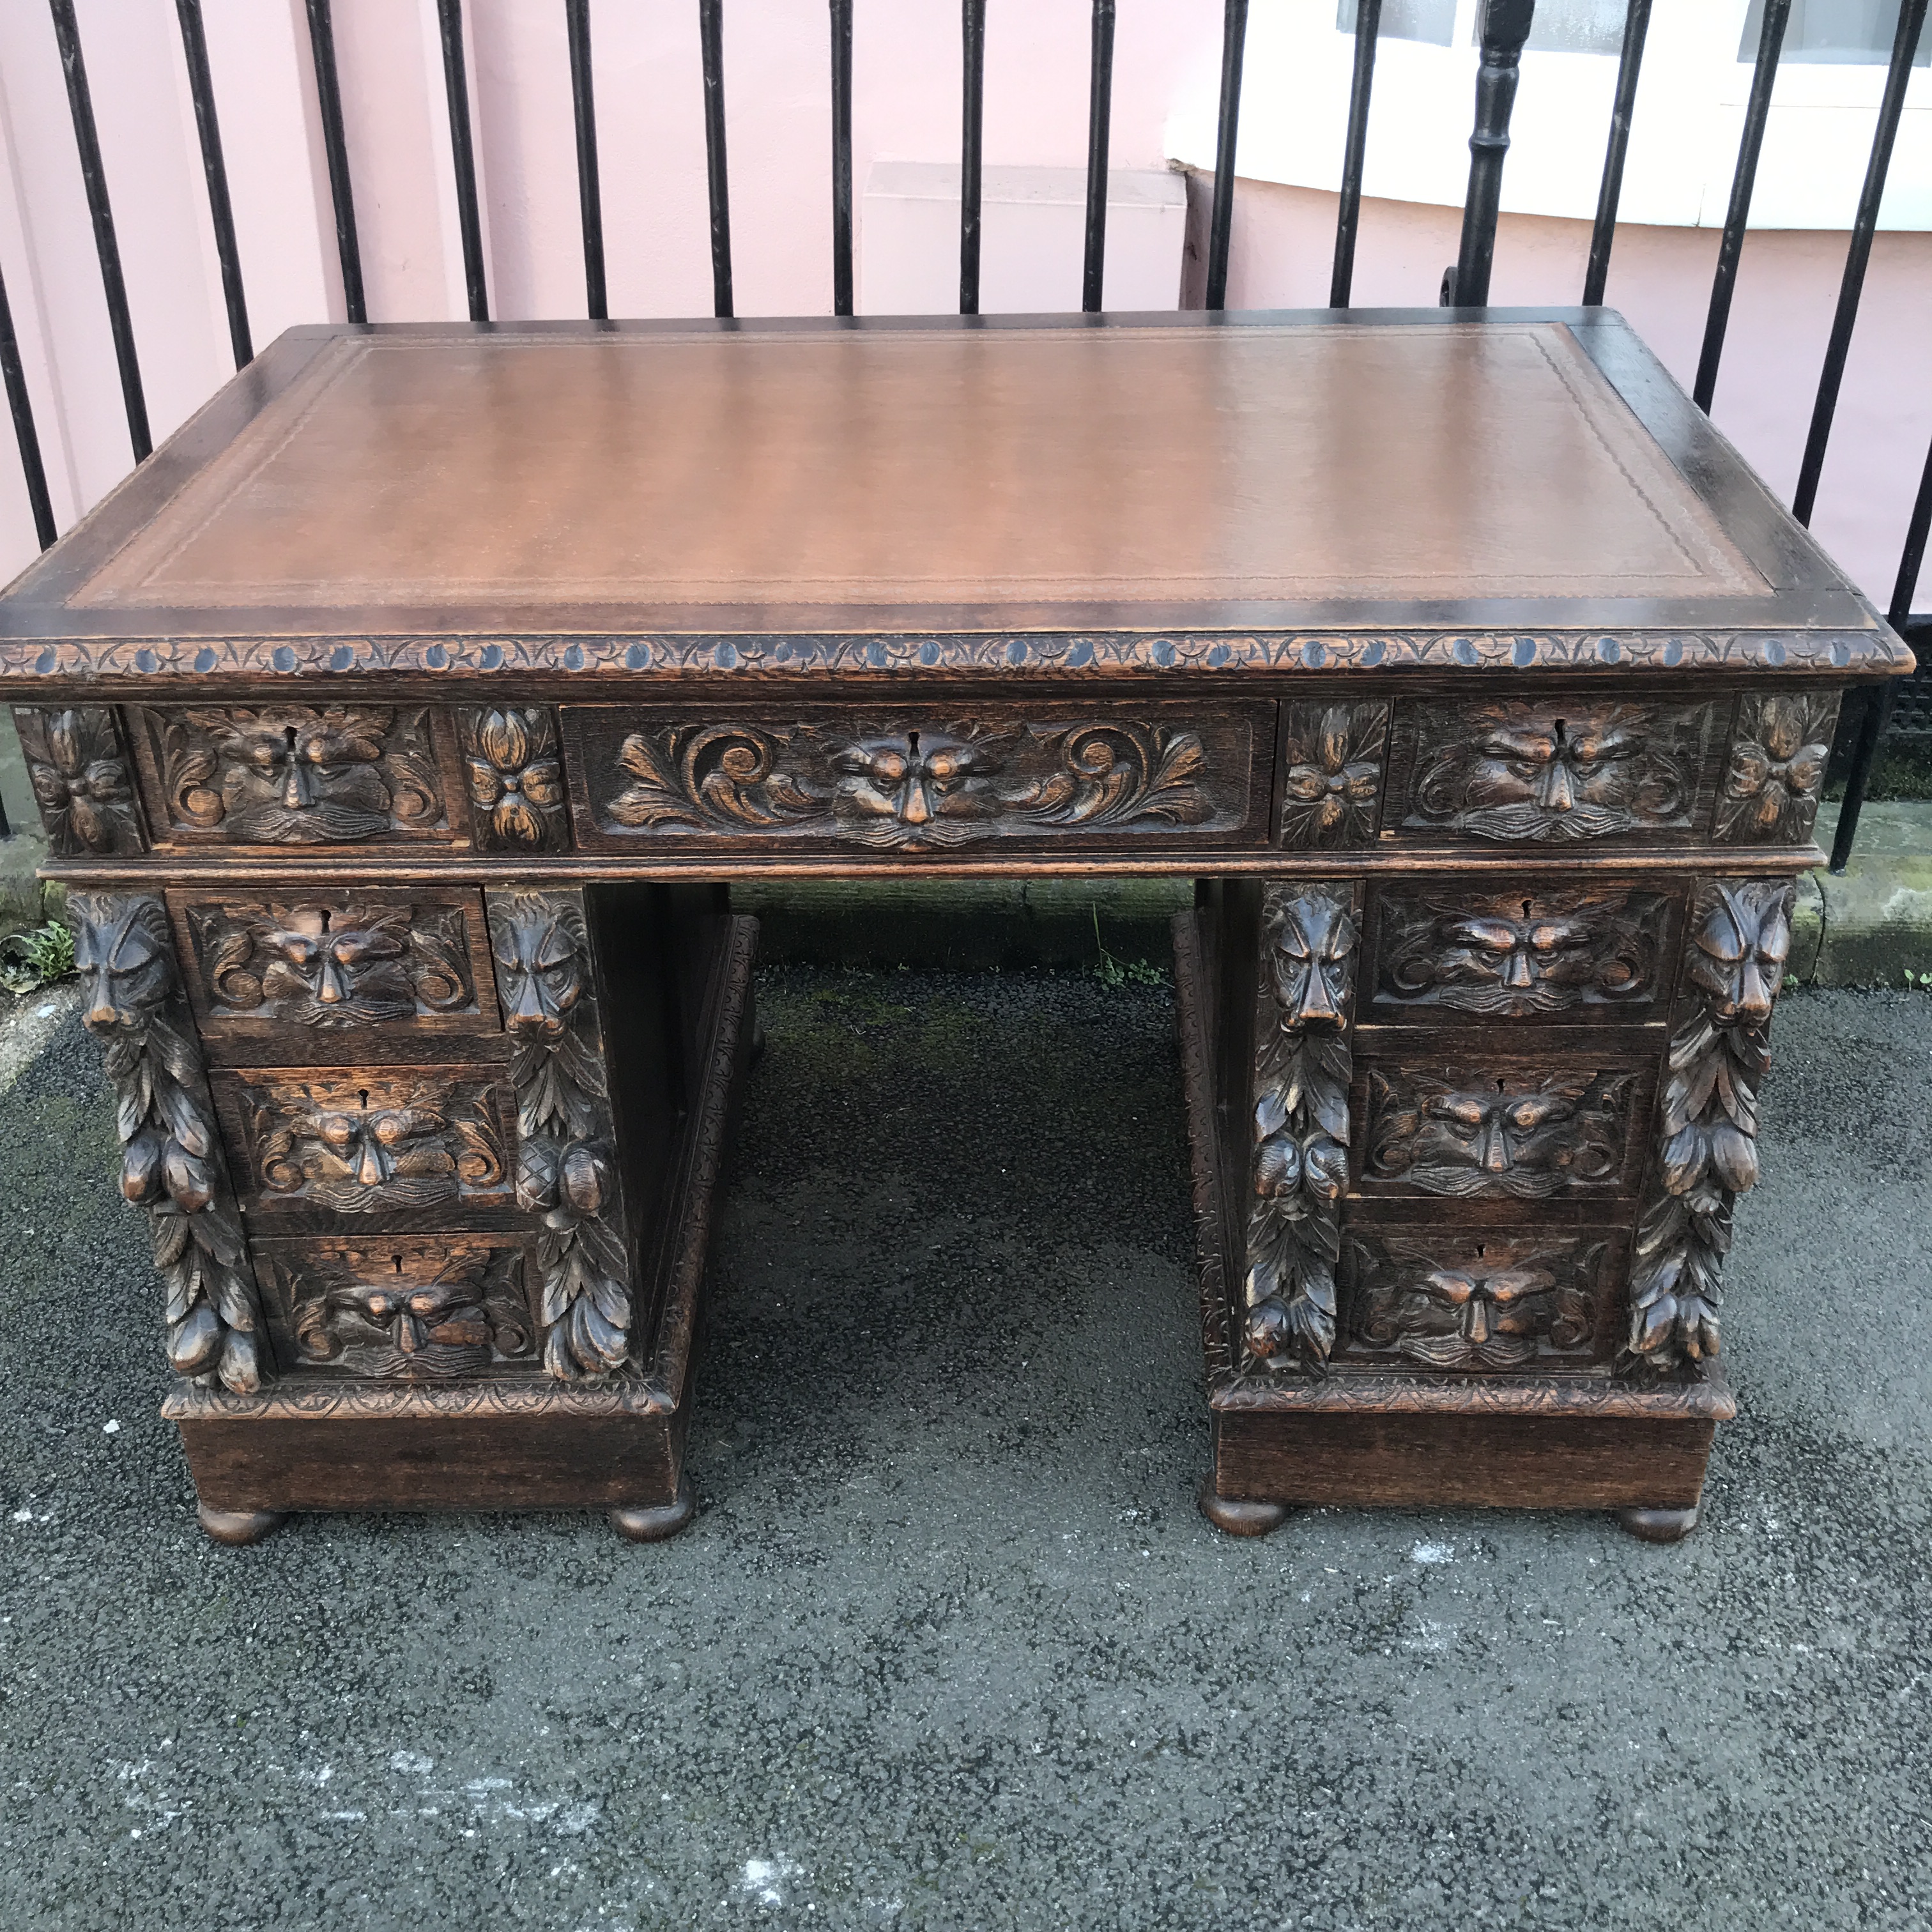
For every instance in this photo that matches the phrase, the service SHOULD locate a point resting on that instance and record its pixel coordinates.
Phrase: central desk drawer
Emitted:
(914, 779)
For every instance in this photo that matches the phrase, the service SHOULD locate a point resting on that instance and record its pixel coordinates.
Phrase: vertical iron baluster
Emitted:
(1878, 705)
(463, 153)
(1221, 222)
(972, 119)
(1905, 45)
(1506, 25)
(32, 469)
(711, 46)
(1636, 25)
(80, 106)
(329, 105)
(1100, 119)
(589, 192)
(194, 46)
(1347, 216)
(841, 156)
(1770, 42)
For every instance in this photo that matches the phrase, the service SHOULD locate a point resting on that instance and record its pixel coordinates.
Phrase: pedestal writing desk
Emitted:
(400, 725)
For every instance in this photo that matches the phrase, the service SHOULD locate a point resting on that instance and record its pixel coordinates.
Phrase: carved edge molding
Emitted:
(566, 1155)
(172, 1162)
(1706, 1153)
(26, 661)
(1310, 937)
(1403, 1392)
(1197, 1085)
(302, 1399)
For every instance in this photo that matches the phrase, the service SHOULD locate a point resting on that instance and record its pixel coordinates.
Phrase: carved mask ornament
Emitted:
(1515, 954)
(1530, 779)
(412, 1329)
(332, 970)
(539, 970)
(1495, 1316)
(923, 789)
(345, 1157)
(1740, 947)
(1314, 961)
(1565, 1131)
(303, 776)
(125, 961)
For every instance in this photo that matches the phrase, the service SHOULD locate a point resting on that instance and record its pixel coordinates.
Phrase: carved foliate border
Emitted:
(25, 663)
(172, 1161)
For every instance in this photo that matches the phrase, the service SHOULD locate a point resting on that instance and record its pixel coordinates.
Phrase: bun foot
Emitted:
(1238, 1518)
(1659, 1526)
(239, 1526)
(652, 1522)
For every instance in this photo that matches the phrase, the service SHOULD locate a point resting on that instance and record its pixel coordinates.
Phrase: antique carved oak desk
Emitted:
(400, 725)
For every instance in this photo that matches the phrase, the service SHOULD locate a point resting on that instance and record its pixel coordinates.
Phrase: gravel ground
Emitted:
(949, 1646)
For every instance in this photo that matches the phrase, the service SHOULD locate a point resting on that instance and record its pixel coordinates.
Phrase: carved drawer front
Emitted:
(904, 781)
(1476, 1126)
(1558, 772)
(292, 775)
(1539, 948)
(339, 969)
(1418, 1295)
(401, 1308)
(399, 1142)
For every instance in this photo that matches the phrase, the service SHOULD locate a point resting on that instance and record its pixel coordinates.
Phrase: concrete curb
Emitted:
(1873, 926)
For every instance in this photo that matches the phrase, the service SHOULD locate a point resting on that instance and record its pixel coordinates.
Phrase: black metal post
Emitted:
(711, 46)
(589, 192)
(463, 153)
(1905, 45)
(841, 156)
(972, 132)
(1506, 25)
(1770, 43)
(329, 105)
(1636, 25)
(1878, 705)
(22, 405)
(1347, 216)
(194, 46)
(1221, 221)
(1099, 124)
(93, 178)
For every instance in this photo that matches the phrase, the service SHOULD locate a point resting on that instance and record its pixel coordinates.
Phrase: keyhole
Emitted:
(1499, 1088)
(912, 742)
(398, 1260)
(1559, 730)
(363, 1096)
(288, 739)
(1525, 912)
(325, 916)
(1480, 1251)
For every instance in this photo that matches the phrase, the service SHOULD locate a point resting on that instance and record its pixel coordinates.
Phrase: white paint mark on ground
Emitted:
(1432, 1552)
(1431, 1637)
(765, 1880)
(110, 1427)
(412, 1763)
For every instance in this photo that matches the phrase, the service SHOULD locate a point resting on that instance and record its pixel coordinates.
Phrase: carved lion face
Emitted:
(1743, 938)
(1313, 949)
(125, 959)
(539, 968)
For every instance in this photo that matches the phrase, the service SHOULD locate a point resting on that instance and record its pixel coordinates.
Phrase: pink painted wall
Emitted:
(907, 78)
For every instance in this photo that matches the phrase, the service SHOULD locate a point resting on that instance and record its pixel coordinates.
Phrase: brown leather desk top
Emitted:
(1050, 476)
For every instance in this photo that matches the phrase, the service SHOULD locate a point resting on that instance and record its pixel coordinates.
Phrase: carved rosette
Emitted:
(1309, 936)
(171, 1152)
(81, 780)
(514, 772)
(1779, 752)
(1706, 1156)
(1331, 784)
(902, 788)
(566, 1171)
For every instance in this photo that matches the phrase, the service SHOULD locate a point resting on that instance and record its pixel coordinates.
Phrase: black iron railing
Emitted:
(1505, 27)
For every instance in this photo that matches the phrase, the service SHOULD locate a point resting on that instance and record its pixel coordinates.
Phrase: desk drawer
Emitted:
(908, 779)
(387, 1146)
(359, 973)
(1556, 772)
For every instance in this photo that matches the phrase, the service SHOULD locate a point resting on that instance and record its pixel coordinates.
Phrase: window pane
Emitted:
(1855, 32)
(1576, 27)
(1431, 20)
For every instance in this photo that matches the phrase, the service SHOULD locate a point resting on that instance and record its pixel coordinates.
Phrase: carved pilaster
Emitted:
(1309, 935)
(1706, 1152)
(171, 1152)
(566, 1158)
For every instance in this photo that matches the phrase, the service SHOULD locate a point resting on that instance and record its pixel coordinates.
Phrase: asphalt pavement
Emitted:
(948, 1645)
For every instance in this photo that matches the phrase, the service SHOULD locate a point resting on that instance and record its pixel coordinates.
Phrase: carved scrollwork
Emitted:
(566, 1169)
(368, 1142)
(1503, 954)
(514, 771)
(1309, 936)
(295, 775)
(80, 779)
(409, 1310)
(361, 963)
(1555, 772)
(1740, 935)
(1332, 758)
(171, 1154)
(907, 788)
(1462, 1302)
(1776, 770)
